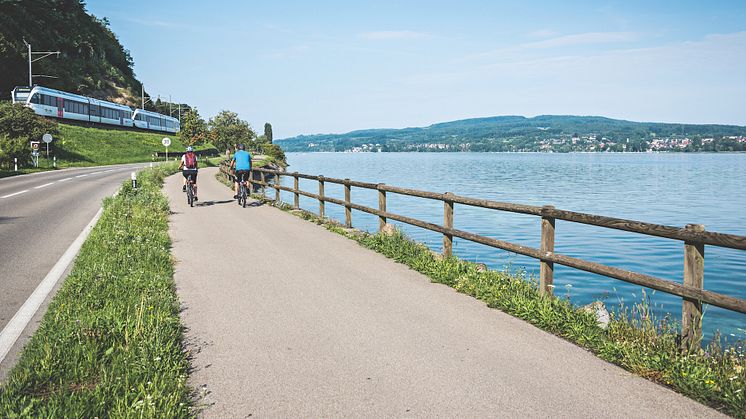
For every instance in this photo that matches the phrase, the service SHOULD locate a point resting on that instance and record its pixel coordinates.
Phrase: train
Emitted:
(63, 105)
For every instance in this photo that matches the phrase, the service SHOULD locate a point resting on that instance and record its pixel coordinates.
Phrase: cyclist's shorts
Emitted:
(242, 175)
(188, 172)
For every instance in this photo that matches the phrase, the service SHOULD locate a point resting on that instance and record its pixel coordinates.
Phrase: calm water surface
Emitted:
(670, 189)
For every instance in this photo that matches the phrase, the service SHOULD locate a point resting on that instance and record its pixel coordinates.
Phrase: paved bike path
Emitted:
(286, 319)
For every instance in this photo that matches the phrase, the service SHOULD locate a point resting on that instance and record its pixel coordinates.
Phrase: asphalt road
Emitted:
(41, 214)
(286, 319)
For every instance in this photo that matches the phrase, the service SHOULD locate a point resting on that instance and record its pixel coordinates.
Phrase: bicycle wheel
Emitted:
(243, 194)
(190, 195)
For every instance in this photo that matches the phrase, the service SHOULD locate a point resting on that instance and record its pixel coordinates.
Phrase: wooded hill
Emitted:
(511, 133)
(92, 61)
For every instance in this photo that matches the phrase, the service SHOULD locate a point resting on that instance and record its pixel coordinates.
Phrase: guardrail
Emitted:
(694, 236)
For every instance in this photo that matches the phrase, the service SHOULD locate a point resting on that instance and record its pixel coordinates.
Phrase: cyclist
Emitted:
(242, 162)
(188, 166)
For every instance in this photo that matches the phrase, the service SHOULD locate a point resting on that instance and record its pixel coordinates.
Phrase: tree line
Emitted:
(225, 131)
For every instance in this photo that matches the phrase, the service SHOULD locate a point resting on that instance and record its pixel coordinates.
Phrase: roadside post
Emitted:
(47, 138)
(133, 176)
(166, 142)
(35, 153)
(54, 161)
(15, 163)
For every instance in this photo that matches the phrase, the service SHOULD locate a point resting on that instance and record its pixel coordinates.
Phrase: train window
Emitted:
(35, 98)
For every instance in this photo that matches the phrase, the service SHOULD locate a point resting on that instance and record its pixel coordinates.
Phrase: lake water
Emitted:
(670, 189)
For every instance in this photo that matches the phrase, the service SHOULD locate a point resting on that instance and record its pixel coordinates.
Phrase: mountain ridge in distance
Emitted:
(515, 133)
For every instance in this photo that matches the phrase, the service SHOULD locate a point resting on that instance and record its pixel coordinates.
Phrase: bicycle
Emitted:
(242, 193)
(190, 190)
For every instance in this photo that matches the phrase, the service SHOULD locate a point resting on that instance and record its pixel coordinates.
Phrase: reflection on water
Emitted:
(670, 189)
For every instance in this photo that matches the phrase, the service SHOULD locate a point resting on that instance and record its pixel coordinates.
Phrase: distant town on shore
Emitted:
(549, 133)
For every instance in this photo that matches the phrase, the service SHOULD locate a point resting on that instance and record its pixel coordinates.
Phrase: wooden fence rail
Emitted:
(694, 237)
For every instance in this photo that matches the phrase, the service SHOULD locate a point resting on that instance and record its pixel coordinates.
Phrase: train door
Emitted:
(60, 107)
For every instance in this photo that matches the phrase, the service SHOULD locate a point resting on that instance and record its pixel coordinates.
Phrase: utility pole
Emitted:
(142, 85)
(44, 54)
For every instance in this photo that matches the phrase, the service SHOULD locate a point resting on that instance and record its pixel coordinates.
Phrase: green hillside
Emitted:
(92, 61)
(542, 133)
(82, 146)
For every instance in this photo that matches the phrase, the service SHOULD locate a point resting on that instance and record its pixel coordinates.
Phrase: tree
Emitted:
(268, 132)
(193, 128)
(18, 126)
(227, 130)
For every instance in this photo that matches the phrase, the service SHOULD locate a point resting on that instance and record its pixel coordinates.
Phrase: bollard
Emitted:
(134, 180)
(54, 161)
(15, 160)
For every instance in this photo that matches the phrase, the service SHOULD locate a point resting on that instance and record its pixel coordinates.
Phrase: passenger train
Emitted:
(57, 104)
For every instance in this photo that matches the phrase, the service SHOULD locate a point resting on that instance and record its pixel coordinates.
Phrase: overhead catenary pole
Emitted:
(30, 81)
(43, 54)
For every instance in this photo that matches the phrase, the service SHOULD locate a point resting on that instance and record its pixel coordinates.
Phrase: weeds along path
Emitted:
(110, 342)
(287, 319)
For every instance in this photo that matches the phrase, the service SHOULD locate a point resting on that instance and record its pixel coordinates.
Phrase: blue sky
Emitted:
(336, 66)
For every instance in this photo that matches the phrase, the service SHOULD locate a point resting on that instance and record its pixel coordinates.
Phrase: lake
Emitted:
(672, 189)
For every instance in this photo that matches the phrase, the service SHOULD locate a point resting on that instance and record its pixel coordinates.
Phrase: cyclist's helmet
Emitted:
(189, 149)
(241, 146)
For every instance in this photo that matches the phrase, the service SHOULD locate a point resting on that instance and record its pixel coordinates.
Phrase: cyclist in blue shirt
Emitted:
(242, 162)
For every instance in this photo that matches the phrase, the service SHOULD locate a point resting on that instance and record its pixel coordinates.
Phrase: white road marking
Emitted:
(14, 194)
(62, 180)
(95, 173)
(43, 186)
(82, 175)
(20, 320)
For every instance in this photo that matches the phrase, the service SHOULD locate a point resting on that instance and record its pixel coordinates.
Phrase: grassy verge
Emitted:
(78, 146)
(110, 343)
(634, 339)
(84, 146)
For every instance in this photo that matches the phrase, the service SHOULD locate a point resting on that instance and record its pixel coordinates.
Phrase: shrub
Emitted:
(18, 126)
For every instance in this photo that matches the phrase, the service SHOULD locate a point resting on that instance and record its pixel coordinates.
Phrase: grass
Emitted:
(634, 339)
(77, 146)
(110, 343)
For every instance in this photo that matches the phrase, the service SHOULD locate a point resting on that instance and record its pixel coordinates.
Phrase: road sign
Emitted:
(166, 142)
(47, 138)
(34, 145)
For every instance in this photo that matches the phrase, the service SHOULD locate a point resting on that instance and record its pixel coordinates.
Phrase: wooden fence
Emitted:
(693, 236)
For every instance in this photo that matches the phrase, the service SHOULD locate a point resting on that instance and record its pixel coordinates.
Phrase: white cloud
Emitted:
(389, 35)
(585, 39)
(542, 33)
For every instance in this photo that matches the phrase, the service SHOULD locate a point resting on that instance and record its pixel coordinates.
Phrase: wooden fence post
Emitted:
(348, 210)
(277, 188)
(321, 196)
(447, 223)
(261, 174)
(694, 276)
(250, 185)
(381, 207)
(296, 197)
(546, 269)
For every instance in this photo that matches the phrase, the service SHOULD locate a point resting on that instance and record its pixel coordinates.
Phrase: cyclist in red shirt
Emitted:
(188, 167)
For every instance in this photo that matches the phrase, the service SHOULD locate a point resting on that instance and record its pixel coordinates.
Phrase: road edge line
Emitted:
(18, 323)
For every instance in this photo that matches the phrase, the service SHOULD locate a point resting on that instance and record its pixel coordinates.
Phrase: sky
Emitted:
(337, 66)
